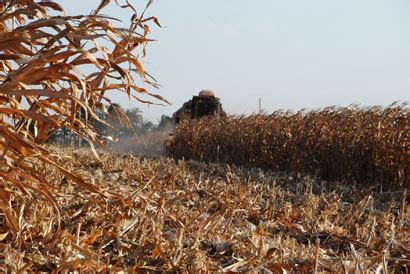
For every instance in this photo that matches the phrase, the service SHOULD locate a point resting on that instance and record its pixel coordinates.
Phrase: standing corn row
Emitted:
(361, 144)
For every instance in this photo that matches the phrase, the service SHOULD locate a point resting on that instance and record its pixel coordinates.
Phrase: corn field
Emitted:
(64, 209)
(360, 144)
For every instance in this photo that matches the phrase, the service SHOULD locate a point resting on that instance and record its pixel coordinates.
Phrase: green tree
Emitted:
(165, 123)
(136, 119)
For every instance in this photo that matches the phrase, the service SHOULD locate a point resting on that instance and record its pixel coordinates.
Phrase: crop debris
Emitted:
(165, 215)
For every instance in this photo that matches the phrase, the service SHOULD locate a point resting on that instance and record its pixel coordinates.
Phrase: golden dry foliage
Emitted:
(55, 72)
(363, 144)
(188, 217)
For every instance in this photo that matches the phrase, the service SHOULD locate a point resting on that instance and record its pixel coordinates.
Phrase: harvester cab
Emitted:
(201, 105)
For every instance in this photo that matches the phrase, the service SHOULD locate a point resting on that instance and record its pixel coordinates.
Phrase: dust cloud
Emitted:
(149, 144)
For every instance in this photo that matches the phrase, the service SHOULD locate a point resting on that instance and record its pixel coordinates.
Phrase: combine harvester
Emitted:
(204, 104)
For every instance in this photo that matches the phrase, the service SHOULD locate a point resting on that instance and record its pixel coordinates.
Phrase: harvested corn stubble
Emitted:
(160, 215)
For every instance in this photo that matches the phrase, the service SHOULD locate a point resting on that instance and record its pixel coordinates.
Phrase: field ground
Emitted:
(158, 214)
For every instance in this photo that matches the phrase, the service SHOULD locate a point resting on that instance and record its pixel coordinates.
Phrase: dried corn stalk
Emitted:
(55, 72)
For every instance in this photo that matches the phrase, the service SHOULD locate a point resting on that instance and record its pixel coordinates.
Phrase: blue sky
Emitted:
(292, 54)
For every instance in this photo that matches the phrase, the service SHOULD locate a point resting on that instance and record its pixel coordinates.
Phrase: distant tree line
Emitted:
(122, 124)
